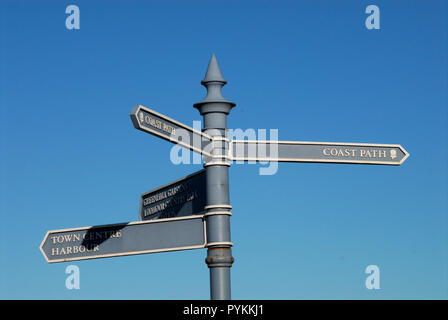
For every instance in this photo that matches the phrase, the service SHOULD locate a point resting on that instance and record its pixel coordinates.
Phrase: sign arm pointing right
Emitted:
(320, 152)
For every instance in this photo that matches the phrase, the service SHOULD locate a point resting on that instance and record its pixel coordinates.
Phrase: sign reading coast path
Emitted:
(124, 239)
(324, 152)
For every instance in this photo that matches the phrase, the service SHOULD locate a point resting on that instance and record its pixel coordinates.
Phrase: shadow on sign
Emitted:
(97, 235)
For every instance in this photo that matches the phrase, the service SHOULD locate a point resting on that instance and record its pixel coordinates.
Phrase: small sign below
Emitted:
(183, 197)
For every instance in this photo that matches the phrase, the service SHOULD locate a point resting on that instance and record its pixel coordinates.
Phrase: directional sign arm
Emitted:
(124, 239)
(323, 152)
(161, 126)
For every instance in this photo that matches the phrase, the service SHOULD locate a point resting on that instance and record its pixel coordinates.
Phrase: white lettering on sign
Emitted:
(155, 123)
(348, 152)
(74, 249)
(76, 237)
(170, 203)
(168, 193)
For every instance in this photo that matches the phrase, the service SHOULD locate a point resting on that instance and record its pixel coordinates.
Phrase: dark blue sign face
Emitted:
(183, 197)
(124, 239)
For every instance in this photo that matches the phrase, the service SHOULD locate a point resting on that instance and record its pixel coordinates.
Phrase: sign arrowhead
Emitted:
(406, 154)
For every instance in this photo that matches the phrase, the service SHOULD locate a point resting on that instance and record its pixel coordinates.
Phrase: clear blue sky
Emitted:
(70, 156)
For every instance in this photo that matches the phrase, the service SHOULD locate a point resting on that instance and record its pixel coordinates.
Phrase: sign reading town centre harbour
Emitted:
(124, 239)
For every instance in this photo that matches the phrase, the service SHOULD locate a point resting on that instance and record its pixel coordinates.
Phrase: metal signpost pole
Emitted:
(215, 108)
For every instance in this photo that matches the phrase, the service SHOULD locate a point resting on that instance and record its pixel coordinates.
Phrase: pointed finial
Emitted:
(213, 72)
(214, 81)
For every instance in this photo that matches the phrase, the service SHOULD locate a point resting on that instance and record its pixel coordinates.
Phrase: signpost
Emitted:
(124, 239)
(194, 212)
(183, 197)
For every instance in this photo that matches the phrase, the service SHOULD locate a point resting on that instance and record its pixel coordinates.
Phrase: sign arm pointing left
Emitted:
(124, 239)
(150, 121)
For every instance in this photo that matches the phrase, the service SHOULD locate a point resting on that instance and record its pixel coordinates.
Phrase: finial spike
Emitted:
(214, 81)
(213, 72)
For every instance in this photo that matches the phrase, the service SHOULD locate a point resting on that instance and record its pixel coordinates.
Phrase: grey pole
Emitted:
(215, 108)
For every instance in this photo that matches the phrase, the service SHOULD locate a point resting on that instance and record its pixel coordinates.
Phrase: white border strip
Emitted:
(212, 213)
(212, 163)
(213, 206)
(222, 243)
(218, 138)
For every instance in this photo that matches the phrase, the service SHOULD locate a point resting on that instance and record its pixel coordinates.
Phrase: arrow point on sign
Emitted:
(134, 117)
(406, 154)
(41, 247)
